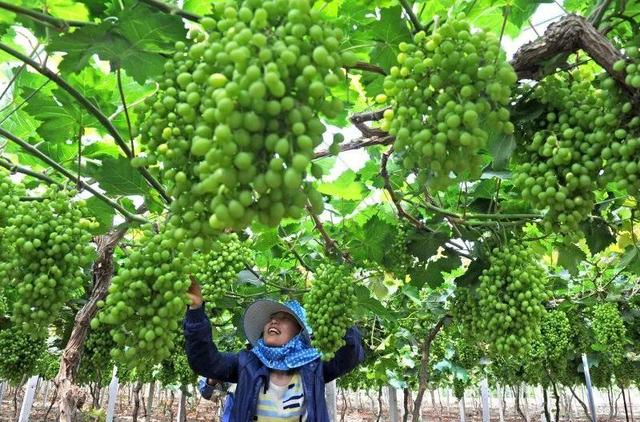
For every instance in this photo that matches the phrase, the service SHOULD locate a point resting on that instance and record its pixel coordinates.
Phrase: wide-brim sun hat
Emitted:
(259, 312)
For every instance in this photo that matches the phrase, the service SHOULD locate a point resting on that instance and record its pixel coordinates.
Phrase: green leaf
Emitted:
(102, 212)
(501, 147)
(65, 9)
(388, 31)
(134, 42)
(570, 256)
(344, 187)
(100, 150)
(436, 269)
(364, 300)
(198, 7)
(598, 235)
(60, 120)
(631, 259)
(117, 177)
(423, 245)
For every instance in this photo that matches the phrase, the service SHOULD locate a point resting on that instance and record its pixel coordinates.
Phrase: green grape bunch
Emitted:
(329, 305)
(510, 299)
(631, 64)
(449, 91)
(562, 162)
(609, 331)
(217, 270)
(146, 300)
(21, 351)
(237, 116)
(95, 365)
(397, 259)
(51, 250)
(556, 333)
(10, 194)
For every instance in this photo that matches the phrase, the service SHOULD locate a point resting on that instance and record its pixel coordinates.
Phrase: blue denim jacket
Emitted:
(251, 374)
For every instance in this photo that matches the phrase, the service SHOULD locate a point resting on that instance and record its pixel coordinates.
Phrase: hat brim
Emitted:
(257, 315)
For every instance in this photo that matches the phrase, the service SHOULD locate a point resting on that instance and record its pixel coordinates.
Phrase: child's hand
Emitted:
(194, 293)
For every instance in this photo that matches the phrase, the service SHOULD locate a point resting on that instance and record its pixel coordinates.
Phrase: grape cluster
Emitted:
(236, 118)
(146, 300)
(609, 331)
(9, 203)
(21, 352)
(175, 369)
(448, 91)
(556, 331)
(562, 162)
(465, 312)
(631, 65)
(329, 303)
(95, 365)
(511, 293)
(397, 259)
(52, 247)
(217, 270)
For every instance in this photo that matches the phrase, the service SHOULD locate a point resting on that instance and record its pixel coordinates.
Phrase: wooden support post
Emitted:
(331, 399)
(393, 404)
(27, 400)
(463, 416)
(484, 392)
(587, 378)
(152, 387)
(113, 395)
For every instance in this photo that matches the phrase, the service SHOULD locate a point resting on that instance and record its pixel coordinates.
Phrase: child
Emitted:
(282, 377)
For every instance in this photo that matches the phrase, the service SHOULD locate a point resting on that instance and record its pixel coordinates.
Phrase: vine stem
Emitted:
(45, 158)
(15, 168)
(394, 198)
(329, 244)
(368, 67)
(357, 144)
(167, 8)
(125, 109)
(104, 120)
(57, 23)
(412, 16)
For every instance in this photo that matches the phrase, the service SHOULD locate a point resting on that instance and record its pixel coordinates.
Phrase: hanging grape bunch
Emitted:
(622, 156)
(236, 118)
(95, 365)
(449, 90)
(631, 65)
(609, 331)
(466, 313)
(397, 259)
(556, 334)
(330, 307)
(9, 202)
(511, 293)
(217, 270)
(561, 163)
(21, 352)
(52, 248)
(146, 299)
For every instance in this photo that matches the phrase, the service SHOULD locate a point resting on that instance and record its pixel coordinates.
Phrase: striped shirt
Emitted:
(283, 403)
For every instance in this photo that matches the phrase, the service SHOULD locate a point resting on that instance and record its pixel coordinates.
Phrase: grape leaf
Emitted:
(597, 234)
(388, 31)
(117, 177)
(570, 256)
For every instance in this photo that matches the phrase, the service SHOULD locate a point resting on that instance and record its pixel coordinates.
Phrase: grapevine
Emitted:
(237, 116)
(609, 331)
(146, 300)
(510, 295)
(448, 90)
(52, 247)
(218, 269)
(330, 305)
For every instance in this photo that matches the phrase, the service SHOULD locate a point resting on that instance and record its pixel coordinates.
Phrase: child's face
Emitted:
(280, 328)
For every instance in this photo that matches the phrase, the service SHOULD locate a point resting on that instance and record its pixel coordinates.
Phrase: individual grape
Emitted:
(146, 299)
(329, 304)
(21, 351)
(217, 270)
(52, 248)
(237, 116)
(609, 331)
(510, 297)
(448, 91)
